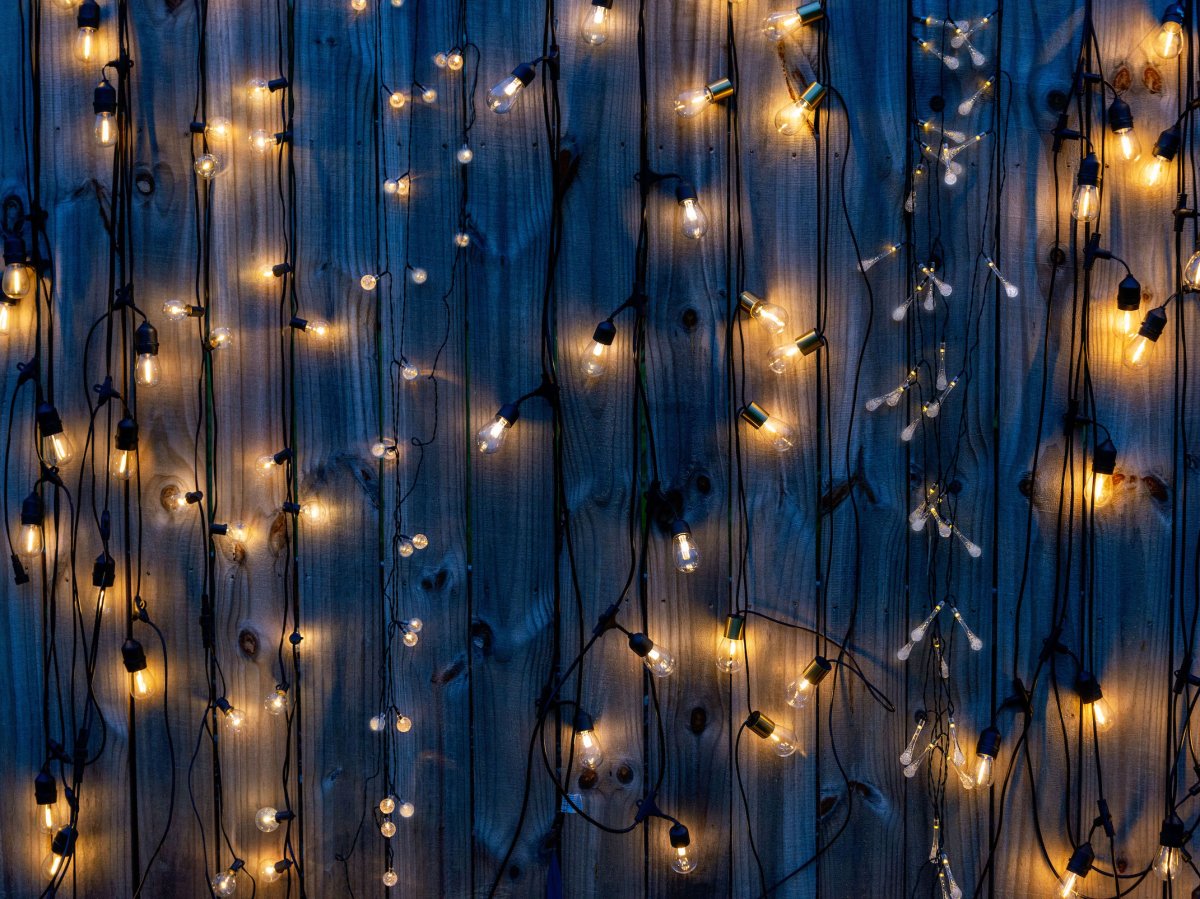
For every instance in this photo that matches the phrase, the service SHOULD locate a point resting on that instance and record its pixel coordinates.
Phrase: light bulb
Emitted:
(657, 660)
(464, 154)
(104, 105)
(105, 129)
(455, 60)
(417, 275)
(440, 59)
(597, 349)
(693, 222)
(410, 638)
(420, 541)
(220, 338)
(268, 872)
(985, 757)
(683, 862)
(691, 103)
(1099, 489)
(1171, 838)
(774, 319)
(590, 754)
(316, 328)
(491, 437)
(88, 21)
(683, 547)
(500, 99)
(218, 128)
(779, 25)
(207, 166)
(397, 100)
(1169, 40)
(729, 644)
(1120, 122)
(1078, 866)
(368, 282)
(265, 820)
(377, 724)
(387, 828)
(263, 141)
(408, 371)
(122, 463)
(801, 690)
(268, 463)
(18, 273)
(314, 511)
(30, 539)
(782, 434)
(148, 372)
(276, 702)
(403, 723)
(387, 804)
(462, 239)
(594, 28)
(225, 883)
(257, 89)
(1140, 347)
(781, 358)
(407, 809)
(390, 878)
(57, 448)
(62, 847)
(358, 5)
(143, 684)
(782, 741)
(428, 95)
(797, 117)
(49, 816)
(1085, 204)
(5, 317)
(235, 718)
(385, 448)
(1165, 148)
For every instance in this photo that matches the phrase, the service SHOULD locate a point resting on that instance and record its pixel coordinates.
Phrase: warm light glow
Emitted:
(695, 222)
(1169, 40)
(594, 30)
(1100, 491)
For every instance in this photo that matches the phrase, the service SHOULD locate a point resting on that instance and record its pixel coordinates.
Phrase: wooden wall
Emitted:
(484, 588)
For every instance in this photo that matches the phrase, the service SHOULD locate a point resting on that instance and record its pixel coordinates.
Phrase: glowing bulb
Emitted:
(5, 317)
(1129, 148)
(88, 20)
(693, 221)
(729, 644)
(403, 723)
(206, 166)
(500, 99)
(148, 372)
(801, 690)
(462, 239)
(1168, 862)
(782, 741)
(657, 660)
(683, 862)
(123, 464)
(268, 872)
(455, 60)
(397, 100)
(428, 96)
(985, 757)
(358, 5)
(62, 847)
(385, 448)
(47, 817)
(263, 141)
(105, 129)
(781, 434)
(219, 128)
(464, 154)
(235, 718)
(687, 557)
(57, 447)
(590, 754)
(491, 436)
(265, 819)
(781, 358)
(774, 319)
(18, 273)
(143, 684)
(387, 804)
(420, 541)
(175, 310)
(779, 25)
(594, 28)
(30, 538)
(378, 723)
(408, 371)
(220, 338)
(225, 883)
(1169, 40)
(368, 282)
(257, 89)
(387, 828)
(441, 59)
(417, 275)
(597, 349)
(691, 103)
(390, 878)
(797, 117)
(1085, 205)
(276, 702)
(314, 512)
(407, 810)
(1099, 489)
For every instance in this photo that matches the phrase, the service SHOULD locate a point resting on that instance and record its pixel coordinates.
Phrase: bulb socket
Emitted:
(104, 98)
(811, 12)
(1104, 461)
(145, 340)
(989, 742)
(640, 644)
(14, 249)
(679, 526)
(133, 655)
(685, 191)
(104, 571)
(33, 510)
(755, 415)
(607, 4)
(679, 836)
(297, 323)
(63, 843)
(1120, 115)
(1167, 144)
(1086, 684)
(720, 89)
(48, 420)
(1173, 13)
(510, 412)
(605, 333)
(1129, 294)
(127, 435)
(1089, 171)
(89, 14)
(811, 342)
(818, 669)
(524, 73)
(45, 788)
(277, 84)
(1173, 834)
(735, 625)
(583, 721)
(760, 724)
(1081, 860)
(748, 302)
(282, 865)
(814, 94)
(1153, 324)
(282, 456)
(290, 507)
(224, 705)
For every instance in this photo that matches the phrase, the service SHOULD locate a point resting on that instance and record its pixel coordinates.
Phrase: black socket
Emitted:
(1129, 294)
(989, 742)
(524, 73)
(1104, 461)
(605, 333)
(1120, 116)
(583, 721)
(104, 571)
(1167, 144)
(1086, 684)
(104, 98)
(1089, 171)
(684, 191)
(33, 510)
(1081, 860)
(48, 420)
(510, 412)
(45, 788)
(14, 249)
(679, 526)
(145, 340)
(1173, 13)
(127, 434)
(89, 14)
(1152, 326)
(133, 655)
(64, 842)
(679, 836)
(640, 644)
(1173, 833)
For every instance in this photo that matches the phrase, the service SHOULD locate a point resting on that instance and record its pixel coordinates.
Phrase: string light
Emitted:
(1078, 866)
(693, 221)
(123, 461)
(104, 105)
(225, 883)
(1091, 697)
(687, 556)
(276, 702)
(773, 318)
(594, 27)
(1099, 488)
(782, 434)
(781, 358)
(594, 355)
(986, 750)
(691, 103)
(31, 539)
(681, 841)
(270, 871)
(782, 741)
(590, 754)
(87, 20)
(147, 371)
(797, 116)
(491, 436)
(1171, 839)
(314, 327)
(801, 690)
(142, 682)
(62, 847)
(1120, 122)
(57, 447)
(730, 650)
(234, 718)
(779, 25)
(18, 273)
(657, 660)
(1085, 203)
(268, 819)
(1165, 148)
(268, 464)
(1139, 348)
(45, 794)
(1169, 40)
(500, 99)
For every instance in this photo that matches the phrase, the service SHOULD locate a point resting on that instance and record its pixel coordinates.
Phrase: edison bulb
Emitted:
(1155, 172)
(779, 25)
(1100, 492)
(1066, 885)
(276, 702)
(390, 877)
(385, 448)
(690, 103)
(1125, 323)
(694, 223)
(774, 319)
(729, 653)
(105, 129)
(30, 542)
(1102, 713)
(48, 818)
(985, 772)
(687, 557)
(267, 872)
(659, 662)
(206, 166)
(387, 804)
(85, 43)
(122, 464)
(590, 754)
(146, 369)
(17, 279)
(683, 862)
(51, 865)
(1169, 40)
(783, 742)
(57, 449)
(491, 437)
(1129, 148)
(1168, 862)
(464, 154)
(500, 99)
(1085, 204)
(594, 28)
(388, 828)
(1138, 350)
(225, 883)
(397, 100)
(780, 359)
(143, 684)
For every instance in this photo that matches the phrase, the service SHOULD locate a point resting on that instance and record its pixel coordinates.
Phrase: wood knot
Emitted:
(248, 642)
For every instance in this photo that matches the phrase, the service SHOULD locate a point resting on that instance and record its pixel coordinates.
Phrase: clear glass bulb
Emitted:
(397, 100)
(1155, 172)
(659, 662)
(1137, 351)
(147, 370)
(985, 770)
(782, 741)
(276, 702)
(1065, 888)
(143, 684)
(455, 60)
(403, 723)
(85, 44)
(464, 154)
(1169, 40)
(799, 692)
(773, 318)
(175, 310)
(219, 128)
(418, 275)
(387, 828)
(428, 96)
(49, 818)
(593, 356)
(1085, 204)
(123, 464)
(377, 723)
(387, 804)
(265, 465)
(594, 29)
(314, 512)
(5, 318)
(220, 338)
(795, 118)
(410, 638)
(683, 862)
(267, 872)
(691, 103)
(318, 328)
(590, 754)
(491, 437)
(390, 878)
(17, 280)
(30, 541)
(236, 720)
(385, 448)
(500, 99)
(1129, 148)
(783, 436)
(57, 449)
(1099, 491)
(729, 654)
(687, 557)
(257, 89)
(105, 130)
(1102, 713)
(368, 282)
(694, 222)
(420, 541)
(781, 358)
(779, 25)
(225, 883)
(1191, 271)
(206, 166)
(262, 141)
(51, 865)
(408, 371)
(1125, 323)
(407, 809)
(1168, 862)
